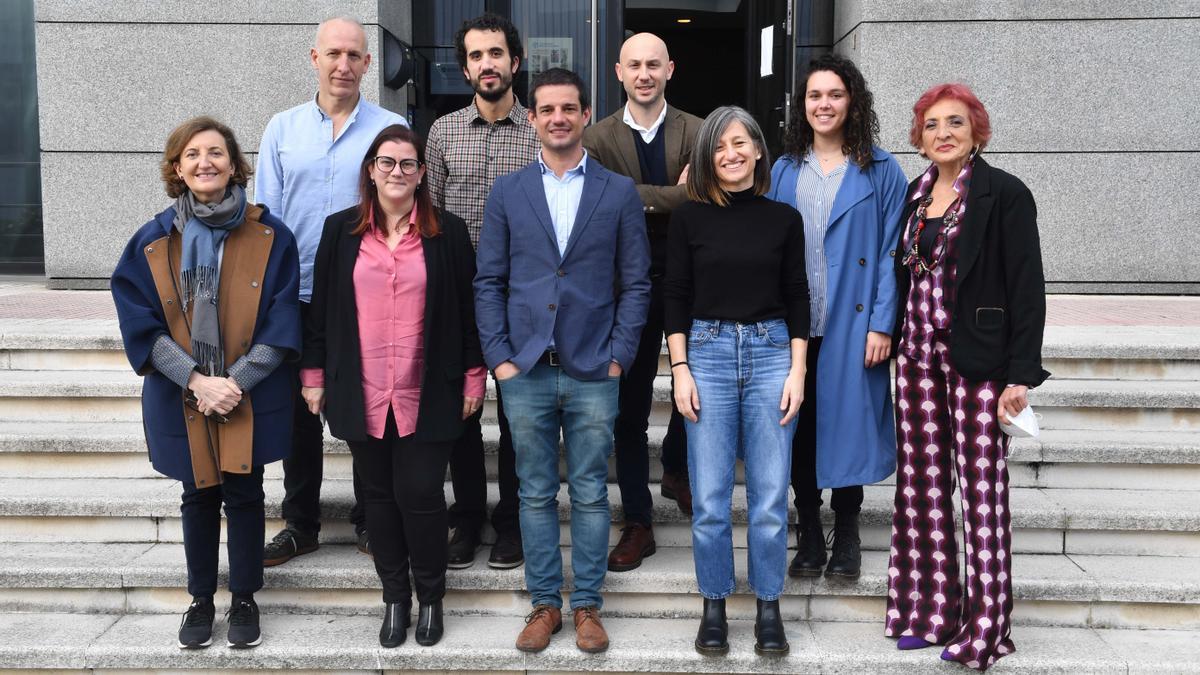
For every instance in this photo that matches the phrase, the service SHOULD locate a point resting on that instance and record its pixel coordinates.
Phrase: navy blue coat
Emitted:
(592, 300)
(142, 321)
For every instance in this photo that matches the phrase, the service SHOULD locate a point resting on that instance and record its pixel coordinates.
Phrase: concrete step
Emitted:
(1050, 590)
(1118, 522)
(105, 396)
(1065, 458)
(132, 642)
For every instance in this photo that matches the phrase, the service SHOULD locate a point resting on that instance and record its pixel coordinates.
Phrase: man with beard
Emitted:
(466, 151)
(650, 142)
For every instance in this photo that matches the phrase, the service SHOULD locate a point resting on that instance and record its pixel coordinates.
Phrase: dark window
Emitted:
(20, 167)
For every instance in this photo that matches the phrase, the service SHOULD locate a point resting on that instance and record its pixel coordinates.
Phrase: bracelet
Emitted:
(679, 363)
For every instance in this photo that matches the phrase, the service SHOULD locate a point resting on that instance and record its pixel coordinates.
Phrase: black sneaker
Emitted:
(195, 631)
(507, 552)
(286, 545)
(243, 624)
(364, 543)
(461, 553)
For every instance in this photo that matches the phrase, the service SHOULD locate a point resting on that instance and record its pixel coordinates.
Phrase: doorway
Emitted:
(726, 52)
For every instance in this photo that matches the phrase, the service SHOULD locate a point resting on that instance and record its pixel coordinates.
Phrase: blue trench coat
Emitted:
(856, 436)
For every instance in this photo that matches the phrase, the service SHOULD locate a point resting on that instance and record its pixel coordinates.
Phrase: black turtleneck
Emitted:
(742, 262)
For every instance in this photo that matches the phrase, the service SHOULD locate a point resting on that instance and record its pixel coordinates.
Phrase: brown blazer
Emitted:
(610, 141)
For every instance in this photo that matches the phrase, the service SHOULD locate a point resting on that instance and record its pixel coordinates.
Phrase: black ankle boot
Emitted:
(713, 637)
(810, 545)
(768, 628)
(395, 624)
(846, 560)
(429, 624)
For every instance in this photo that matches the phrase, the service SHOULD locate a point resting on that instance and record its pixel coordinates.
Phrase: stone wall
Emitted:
(1095, 105)
(115, 77)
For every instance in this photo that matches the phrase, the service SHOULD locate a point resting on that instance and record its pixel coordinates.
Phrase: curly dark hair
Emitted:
(488, 21)
(862, 126)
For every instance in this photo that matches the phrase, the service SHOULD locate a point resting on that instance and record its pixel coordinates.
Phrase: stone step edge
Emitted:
(1036, 508)
(1053, 446)
(1037, 577)
(1160, 394)
(321, 642)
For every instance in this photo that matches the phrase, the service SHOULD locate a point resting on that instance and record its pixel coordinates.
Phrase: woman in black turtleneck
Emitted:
(737, 317)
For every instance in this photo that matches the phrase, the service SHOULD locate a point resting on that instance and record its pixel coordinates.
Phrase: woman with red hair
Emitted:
(969, 342)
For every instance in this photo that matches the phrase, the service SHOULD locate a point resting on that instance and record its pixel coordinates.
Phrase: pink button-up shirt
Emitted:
(389, 291)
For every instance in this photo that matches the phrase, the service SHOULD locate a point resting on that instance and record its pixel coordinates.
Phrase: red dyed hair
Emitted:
(981, 125)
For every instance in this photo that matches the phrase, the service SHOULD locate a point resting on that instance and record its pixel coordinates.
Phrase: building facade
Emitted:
(1093, 103)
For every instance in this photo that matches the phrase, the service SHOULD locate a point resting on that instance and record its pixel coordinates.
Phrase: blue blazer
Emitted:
(592, 300)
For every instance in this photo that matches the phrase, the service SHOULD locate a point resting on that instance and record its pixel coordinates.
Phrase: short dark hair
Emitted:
(177, 142)
(488, 21)
(555, 76)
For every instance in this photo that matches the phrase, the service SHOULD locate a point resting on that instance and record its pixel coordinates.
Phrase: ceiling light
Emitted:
(683, 20)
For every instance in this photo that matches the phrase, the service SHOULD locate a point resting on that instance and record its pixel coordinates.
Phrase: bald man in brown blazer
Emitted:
(650, 142)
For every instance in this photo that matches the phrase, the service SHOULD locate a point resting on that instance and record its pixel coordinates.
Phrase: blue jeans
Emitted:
(538, 403)
(739, 371)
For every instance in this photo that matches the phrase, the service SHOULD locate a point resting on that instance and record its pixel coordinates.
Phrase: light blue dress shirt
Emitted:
(563, 196)
(304, 174)
(815, 192)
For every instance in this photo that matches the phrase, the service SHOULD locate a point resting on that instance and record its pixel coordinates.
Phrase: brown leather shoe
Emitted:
(541, 623)
(675, 486)
(590, 635)
(637, 542)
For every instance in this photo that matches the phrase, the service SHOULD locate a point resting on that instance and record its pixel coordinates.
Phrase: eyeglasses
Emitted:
(386, 164)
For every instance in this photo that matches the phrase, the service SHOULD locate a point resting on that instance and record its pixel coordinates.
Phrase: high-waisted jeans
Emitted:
(739, 371)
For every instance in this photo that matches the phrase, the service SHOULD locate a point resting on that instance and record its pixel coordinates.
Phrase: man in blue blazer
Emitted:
(561, 297)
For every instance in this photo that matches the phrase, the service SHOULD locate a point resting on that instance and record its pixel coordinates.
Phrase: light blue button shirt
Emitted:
(304, 174)
(562, 196)
(815, 192)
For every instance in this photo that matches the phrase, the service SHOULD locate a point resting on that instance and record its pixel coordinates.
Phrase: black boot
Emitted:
(713, 637)
(846, 560)
(810, 545)
(429, 624)
(395, 624)
(768, 628)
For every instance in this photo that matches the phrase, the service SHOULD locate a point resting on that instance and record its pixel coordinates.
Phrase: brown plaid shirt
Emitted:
(465, 154)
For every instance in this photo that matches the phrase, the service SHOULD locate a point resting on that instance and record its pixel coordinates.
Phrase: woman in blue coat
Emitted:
(850, 193)
(206, 293)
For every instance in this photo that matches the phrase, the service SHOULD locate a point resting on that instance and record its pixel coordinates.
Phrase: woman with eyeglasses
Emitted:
(392, 356)
(206, 293)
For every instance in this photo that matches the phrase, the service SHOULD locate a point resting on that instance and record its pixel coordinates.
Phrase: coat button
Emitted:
(562, 273)
(862, 261)
(170, 302)
(253, 284)
(202, 481)
(858, 308)
(551, 307)
(149, 249)
(892, 253)
(266, 231)
(244, 467)
(191, 418)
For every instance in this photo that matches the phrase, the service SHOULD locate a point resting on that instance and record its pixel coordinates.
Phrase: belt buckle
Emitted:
(553, 358)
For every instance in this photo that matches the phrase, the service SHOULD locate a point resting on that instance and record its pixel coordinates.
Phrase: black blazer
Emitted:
(451, 338)
(999, 310)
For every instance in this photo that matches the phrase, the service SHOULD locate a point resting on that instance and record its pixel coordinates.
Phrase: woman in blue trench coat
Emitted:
(850, 193)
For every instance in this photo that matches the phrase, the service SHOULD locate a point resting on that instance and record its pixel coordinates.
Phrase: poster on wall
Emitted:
(544, 53)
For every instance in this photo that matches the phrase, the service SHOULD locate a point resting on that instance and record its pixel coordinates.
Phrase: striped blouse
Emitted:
(815, 193)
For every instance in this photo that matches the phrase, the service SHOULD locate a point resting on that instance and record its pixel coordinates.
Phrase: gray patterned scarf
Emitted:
(204, 228)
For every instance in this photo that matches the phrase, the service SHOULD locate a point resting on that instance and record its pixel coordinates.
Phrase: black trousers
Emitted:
(468, 476)
(303, 469)
(631, 445)
(847, 499)
(200, 509)
(402, 483)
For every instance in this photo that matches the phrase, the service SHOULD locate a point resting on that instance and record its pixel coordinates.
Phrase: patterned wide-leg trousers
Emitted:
(948, 434)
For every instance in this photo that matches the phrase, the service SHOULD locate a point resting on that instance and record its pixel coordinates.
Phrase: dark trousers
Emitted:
(631, 445)
(402, 481)
(200, 509)
(847, 499)
(468, 476)
(303, 469)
